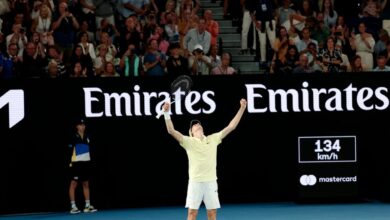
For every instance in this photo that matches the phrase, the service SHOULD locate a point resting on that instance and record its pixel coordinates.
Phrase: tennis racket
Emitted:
(182, 83)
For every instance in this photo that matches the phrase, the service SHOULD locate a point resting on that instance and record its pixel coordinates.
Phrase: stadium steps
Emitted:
(231, 40)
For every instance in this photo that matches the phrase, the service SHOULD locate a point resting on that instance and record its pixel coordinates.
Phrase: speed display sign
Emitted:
(327, 167)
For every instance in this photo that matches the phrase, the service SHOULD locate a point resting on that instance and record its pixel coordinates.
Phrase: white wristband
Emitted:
(167, 116)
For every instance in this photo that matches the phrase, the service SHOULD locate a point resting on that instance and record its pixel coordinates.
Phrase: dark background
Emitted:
(137, 164)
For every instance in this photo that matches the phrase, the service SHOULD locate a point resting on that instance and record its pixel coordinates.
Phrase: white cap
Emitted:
(198, 47)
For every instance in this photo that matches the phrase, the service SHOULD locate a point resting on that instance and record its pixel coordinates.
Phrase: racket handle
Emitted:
(162, 111)
(159, 114)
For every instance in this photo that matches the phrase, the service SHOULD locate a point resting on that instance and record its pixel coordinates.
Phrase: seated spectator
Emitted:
(10, 63)
(102, 58)
(215, 58)
(52, 69)
(84, 27)
(381, 65)
(40, 47)
(285, 65)
(305, 40)
(171, 27)
(198, 62)
(225, 67)
(303, 66)
(197, 36)
(55, 53)
(176, 63)
(162, 39)
(356, 64)
(109, 70)
(78, 70)
(283, 14)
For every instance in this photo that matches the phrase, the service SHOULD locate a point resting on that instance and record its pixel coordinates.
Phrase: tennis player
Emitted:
(202, 156)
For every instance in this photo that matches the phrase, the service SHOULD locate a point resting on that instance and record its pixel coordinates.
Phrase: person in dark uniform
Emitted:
(80, 167)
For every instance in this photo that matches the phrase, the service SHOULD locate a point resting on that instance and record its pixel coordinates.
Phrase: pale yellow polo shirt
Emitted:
(202, 157)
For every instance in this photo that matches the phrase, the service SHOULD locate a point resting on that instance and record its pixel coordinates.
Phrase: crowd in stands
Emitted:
(112, 38)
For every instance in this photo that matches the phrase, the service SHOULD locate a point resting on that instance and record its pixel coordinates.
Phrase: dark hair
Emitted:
(230, 57)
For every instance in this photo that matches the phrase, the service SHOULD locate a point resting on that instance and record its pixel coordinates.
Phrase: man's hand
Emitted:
(166, 106)
(243, 103)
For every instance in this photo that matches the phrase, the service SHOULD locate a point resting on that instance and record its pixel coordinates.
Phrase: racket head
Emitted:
(183, 83)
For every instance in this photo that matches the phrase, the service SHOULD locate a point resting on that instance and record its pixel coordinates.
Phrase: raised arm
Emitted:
(234, 122)
(168, 122)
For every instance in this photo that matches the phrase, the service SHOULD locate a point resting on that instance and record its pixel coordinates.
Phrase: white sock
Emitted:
(73, 204)
(87, 203)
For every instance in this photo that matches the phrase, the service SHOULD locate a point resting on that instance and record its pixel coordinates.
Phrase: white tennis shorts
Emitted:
(202, 191)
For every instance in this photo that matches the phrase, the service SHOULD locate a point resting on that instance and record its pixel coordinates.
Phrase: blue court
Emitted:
(279, 211)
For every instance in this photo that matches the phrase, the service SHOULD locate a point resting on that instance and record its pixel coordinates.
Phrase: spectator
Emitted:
(42, 23)
(303, 66)
(265, 25)
(85, 60)
(305, 40)
(84, 27)
(129, 8)
(381, 65)
(215, 58)
(101, 59)
(154, 60)
(212, 26)
(187, 21)
(10, 63)
(131, 35)
(55, 53)
(78, 70)
(380, 45)
(171, 27)
(247, 23)
(356, 64)
(52, 70)
(363, 43)
(131, 63)
(330, 15)
(104, 10)
(197, 36)
(88, 13)
(169, 8)
(34, 62)
(225, 67)
(64, 27)
(283, 14)
(88, 47)
(109, 70)
(176, 63)
(198, 62)
(18, 37)
(331, 57)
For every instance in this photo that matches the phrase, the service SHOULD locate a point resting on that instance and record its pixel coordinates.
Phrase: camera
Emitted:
(22, 30)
